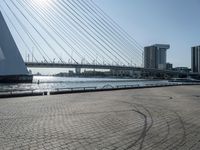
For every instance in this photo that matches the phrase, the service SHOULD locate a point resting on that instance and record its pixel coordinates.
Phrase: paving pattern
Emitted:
(139, 119)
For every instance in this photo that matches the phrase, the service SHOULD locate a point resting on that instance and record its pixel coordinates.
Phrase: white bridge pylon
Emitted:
(11, 62)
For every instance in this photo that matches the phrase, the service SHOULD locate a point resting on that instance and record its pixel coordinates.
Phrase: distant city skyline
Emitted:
(174, 22)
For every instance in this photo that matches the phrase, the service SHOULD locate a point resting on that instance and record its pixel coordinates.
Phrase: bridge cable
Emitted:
(93, 33)
(103, 29)
(116, 27)
(101, 37)
(49, 34)
(114, 33)
(106, 29)
(63, 27)
(37, 32)
(17, 31)
(49, 24)
(26, 31)
(95, 24)
(98, 29)
(79, 25)
(80, 34)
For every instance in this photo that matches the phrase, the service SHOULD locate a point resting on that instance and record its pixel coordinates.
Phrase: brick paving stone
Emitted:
(149, 119)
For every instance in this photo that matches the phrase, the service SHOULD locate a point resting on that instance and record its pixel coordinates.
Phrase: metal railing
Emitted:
(33, 92)
(76, 89)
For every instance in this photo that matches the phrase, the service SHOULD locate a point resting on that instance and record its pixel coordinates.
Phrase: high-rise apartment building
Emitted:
(155, 56)
(195, 59)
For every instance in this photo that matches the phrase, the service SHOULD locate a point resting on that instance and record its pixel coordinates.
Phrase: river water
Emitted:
(49, 83)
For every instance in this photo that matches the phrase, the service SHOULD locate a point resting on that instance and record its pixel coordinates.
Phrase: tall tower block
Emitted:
(195, 64)
(155, 56)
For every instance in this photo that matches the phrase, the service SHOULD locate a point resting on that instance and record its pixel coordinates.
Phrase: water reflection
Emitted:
(48, 83)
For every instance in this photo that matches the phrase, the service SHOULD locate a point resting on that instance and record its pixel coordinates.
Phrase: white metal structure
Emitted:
(12, 66)
(11, 62)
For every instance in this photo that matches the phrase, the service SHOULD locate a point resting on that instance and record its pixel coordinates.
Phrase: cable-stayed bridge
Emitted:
(70, 34)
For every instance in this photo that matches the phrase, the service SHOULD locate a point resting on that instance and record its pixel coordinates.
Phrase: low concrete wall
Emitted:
(111, 89)
(87, 89)
(21, 94)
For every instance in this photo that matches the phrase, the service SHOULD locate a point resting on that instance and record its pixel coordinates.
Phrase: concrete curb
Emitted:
(21, 94)
(112, 89)
(83, 90)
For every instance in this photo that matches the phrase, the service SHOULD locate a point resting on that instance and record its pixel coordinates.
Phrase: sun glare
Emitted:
(42, 3)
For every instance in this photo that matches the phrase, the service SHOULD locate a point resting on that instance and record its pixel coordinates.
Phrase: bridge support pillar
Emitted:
(78, 71)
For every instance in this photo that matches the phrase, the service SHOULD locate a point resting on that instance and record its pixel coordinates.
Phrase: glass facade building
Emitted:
(155, 56)
(195, 59)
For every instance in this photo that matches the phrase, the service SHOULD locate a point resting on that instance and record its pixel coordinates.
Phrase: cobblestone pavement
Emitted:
(141, 119)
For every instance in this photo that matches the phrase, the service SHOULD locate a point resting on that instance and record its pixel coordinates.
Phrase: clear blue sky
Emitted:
(174, 22)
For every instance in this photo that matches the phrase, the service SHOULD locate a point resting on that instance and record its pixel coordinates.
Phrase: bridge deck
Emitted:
(91, 66)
